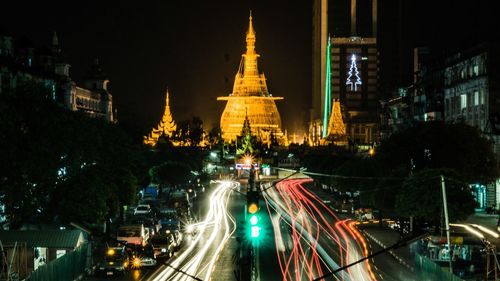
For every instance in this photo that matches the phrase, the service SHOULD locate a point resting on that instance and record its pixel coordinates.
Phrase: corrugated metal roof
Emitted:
(43, 238)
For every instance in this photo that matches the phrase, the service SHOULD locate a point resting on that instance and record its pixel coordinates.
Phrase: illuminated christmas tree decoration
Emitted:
(354, 85)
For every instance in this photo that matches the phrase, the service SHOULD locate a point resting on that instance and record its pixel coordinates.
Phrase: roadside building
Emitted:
(30, 249)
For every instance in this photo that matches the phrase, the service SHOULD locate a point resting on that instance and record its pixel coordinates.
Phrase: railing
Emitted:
(429, 270)
(66, 268)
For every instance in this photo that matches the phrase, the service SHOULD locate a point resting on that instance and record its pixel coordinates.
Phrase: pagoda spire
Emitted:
(250, 64)
(166, 126)
(250, 92)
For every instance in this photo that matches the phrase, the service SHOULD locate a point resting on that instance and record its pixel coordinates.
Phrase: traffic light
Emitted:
(253, 212)
(252, 202)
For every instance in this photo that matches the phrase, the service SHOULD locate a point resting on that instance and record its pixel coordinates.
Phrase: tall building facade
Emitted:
(428, 85)
(351, 68)
(319, 44)
(250, 97)
(47, 66)
(472, 95)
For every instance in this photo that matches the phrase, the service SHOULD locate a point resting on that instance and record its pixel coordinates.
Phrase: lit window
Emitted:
(476, 70)
(60, 253)
(53, 91)
(476, 98)
(29, 62)
(463, 101)
(482, 96)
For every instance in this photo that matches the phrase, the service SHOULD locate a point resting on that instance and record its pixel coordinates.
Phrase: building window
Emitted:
(463, 101)
(60, 253)
(481, 96)
(476, 70)
(53, 91)
(476, 97)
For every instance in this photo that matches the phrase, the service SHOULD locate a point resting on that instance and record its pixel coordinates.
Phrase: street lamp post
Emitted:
(446, 220)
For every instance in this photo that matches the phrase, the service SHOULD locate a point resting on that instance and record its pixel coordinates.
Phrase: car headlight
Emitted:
(136, 262)
(163, 250)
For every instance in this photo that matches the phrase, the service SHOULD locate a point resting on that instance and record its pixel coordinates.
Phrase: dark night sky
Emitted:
(194, 47)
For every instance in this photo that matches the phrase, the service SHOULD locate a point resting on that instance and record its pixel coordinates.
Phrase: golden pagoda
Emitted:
(166, 127)
(336, 131)
(250, 95)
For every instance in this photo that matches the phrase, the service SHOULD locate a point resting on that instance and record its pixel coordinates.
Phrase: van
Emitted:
(133, 234)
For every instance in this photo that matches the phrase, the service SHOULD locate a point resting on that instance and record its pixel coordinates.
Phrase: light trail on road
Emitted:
(199, 258)
(317, 235)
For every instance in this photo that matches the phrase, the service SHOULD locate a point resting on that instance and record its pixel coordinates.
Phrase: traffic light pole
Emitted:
(252, 209)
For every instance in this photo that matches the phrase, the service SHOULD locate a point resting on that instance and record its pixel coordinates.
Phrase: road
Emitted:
(198, 257)
(310, 239)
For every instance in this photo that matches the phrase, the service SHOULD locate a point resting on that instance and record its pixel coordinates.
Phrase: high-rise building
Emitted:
(351, 68)
(251, 98)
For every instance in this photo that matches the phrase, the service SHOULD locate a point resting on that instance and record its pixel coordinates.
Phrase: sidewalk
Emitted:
(486, 220)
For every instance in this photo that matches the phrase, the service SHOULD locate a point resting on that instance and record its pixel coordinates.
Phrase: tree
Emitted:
(196, 131)
(359, 174)
(214, 136)
(420, 196)
(85, 198)
(171, 173)
(52, 157)
(435, 145)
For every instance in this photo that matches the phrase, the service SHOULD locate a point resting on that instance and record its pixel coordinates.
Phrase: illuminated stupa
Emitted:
(250, 96)
(336, 131)
(166, 127)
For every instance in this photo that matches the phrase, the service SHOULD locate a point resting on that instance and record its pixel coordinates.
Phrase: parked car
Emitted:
(177, 237)
(133, 234)
(191, 192)
(142, 209)
(169, 221)
(163, 246)
(115, 262)
(147, 257)
(148, 221)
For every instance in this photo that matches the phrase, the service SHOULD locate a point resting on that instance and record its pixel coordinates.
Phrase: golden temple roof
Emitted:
(166, 126)
(250, 94)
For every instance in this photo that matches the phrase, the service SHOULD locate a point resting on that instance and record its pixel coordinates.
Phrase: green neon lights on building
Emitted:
(328, 94)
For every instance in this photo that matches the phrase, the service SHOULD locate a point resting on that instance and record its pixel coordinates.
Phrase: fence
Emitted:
(66, 268)
(429, 270)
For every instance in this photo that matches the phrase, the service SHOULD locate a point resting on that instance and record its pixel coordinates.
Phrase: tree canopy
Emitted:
(421, 196)
(435, 144)
(59, 163)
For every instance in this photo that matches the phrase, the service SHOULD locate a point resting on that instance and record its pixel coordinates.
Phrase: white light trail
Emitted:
(218, 221)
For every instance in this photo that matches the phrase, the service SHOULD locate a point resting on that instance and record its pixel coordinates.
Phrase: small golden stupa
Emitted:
(336, 131)
(166, 126)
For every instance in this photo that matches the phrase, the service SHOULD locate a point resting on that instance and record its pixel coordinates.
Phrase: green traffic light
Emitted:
(255, 231)
(254, 220)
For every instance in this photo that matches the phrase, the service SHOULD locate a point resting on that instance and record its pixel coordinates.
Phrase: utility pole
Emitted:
(446, 220)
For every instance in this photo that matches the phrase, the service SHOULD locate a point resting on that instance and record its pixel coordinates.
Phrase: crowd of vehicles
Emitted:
(152, 231)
